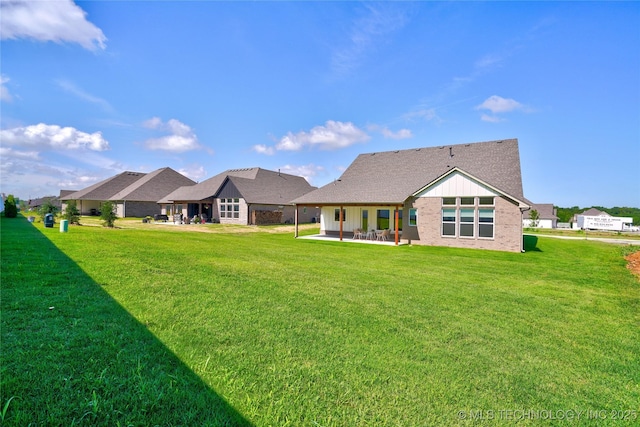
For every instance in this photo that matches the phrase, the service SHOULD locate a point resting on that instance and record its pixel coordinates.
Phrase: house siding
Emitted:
(137, 209)
(507, 227)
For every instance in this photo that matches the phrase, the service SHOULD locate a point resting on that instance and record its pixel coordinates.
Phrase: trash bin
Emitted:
(48, 220)
(64, 225)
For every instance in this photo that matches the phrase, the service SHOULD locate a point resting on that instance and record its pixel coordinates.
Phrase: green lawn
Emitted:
(153, 326)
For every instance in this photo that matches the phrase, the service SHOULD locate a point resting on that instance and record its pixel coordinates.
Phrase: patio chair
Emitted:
(384, 236)
(358, 233)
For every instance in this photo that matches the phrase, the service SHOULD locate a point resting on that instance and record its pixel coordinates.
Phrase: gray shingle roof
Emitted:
(106, 189)
(133, 186)
(257, 186)
(153, 186)
(392, 176)
(271, 188)
(206, 189)
(545, 211)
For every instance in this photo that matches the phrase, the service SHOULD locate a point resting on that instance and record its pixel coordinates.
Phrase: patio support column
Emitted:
(295, 220)
(397, 230)
(341, 220)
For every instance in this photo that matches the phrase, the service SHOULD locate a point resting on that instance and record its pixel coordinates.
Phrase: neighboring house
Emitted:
(588, 212)
(466, 195)
(135, 194)
(546, 216)
(251, 196)
(34, 204)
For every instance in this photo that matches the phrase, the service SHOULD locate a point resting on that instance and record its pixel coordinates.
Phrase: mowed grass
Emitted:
(158, 327)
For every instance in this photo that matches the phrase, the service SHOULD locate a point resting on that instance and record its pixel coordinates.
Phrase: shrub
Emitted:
(10, 208)
(108, 215)
(47, 207)
(71, 213)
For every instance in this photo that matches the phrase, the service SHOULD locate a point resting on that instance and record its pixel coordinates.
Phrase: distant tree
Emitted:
(107, 214)
(71, 213)
(534, 216)
(47, 207)
(10, 208)
(565, 214)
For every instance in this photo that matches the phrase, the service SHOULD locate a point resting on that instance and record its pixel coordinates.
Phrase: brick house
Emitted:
(249, 196)
(465, 195)
(135, 194)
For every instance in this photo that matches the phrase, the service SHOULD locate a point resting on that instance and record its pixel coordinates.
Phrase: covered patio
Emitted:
(336, 238)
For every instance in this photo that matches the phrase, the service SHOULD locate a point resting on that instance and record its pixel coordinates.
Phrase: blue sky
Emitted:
(90, 89)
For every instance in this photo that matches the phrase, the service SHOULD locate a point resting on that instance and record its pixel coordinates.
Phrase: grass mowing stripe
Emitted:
(72, 356)
(300, 332)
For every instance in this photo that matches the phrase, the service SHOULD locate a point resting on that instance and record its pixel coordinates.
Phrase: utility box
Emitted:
(48, 220)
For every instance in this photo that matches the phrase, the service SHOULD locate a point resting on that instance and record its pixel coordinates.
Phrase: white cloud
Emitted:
(366, 34)
(6, 152)
(4, 91)
(194, 172)
(498, 104)
(308, 172)
(491, 119)
(263, 149)
(57, 21)
(331, 136)
(388, 133)
(73, 89)
(426, 114)
(43, 136)
(182, 137)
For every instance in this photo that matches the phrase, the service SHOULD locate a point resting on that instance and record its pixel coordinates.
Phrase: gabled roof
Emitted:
(545, 211)
(269, 187)
(153, 186)
(594, 212)
(208, 188)
(456, 170)
(106, 189)
(392, 176)
(257, 186)
(133, 186)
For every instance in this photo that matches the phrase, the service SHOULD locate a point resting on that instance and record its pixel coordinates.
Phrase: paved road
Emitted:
(597, 239)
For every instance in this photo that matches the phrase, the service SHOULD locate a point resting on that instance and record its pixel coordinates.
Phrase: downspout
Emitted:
(295, 220)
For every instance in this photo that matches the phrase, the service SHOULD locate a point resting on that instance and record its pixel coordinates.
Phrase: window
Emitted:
(365, 219)
(448, 200)
(229, 208)
(337, 215)
(449, 222)
(485, 223)
(382, 222)
(467, 220)
(467, 201)
(413, 217)
(485, 201)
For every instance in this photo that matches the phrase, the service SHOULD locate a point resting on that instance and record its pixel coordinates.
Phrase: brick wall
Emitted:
(507, 227)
